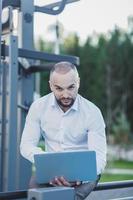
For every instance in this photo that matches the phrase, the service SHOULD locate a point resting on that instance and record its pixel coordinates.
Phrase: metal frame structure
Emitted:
(17, 86)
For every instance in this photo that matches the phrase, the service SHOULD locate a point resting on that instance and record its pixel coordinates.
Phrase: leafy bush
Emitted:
(121, 129)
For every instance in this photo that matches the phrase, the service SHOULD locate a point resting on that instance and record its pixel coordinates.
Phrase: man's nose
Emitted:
(65, 94)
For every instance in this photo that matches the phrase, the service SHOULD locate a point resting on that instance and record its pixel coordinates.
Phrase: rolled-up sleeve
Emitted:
(31, 134)
(97, 139)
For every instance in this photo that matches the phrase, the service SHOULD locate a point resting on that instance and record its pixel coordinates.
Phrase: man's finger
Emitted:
(64, 181)
(78, 183)
(58, 181)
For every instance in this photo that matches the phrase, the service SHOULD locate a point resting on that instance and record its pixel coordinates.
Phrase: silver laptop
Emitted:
(74, 166)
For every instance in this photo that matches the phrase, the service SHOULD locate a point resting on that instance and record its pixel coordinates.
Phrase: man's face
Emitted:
(65, 88)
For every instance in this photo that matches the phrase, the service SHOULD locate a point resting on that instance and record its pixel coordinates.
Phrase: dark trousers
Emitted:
(81, 191)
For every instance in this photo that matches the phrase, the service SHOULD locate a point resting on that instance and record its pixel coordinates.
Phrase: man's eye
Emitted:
(59, 89)
(71, 87)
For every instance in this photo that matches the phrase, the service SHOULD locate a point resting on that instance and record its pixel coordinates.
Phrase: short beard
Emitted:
(64, 105)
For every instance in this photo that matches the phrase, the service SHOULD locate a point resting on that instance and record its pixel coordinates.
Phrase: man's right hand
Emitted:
(61, 181)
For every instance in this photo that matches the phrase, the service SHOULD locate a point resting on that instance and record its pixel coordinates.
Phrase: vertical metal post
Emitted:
(9, 183)
(0, 101)
(26, 85)
(4, 72)
(0, 27)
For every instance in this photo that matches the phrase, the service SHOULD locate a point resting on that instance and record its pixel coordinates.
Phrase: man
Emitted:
(67, 121)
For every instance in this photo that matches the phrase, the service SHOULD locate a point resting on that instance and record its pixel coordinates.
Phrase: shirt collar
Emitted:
(53, 103)
(75, 105)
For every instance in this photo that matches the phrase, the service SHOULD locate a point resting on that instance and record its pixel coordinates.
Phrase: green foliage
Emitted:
(44, 84)
(41, 145)
(71, 45)
(44, 76)
(121, 129)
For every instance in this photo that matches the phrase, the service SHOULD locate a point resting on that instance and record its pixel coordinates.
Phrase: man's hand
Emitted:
(61, 181)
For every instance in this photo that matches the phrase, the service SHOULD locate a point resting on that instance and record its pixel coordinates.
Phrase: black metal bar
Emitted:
(38, 68)
(13, 3)
(51, 11)
(53, 5)
(13, 195)
(114, 185)
(37, 55)
(25, 108)
(101, 186)
(47, 56)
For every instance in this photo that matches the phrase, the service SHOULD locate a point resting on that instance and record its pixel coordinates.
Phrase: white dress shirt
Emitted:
(80, 128)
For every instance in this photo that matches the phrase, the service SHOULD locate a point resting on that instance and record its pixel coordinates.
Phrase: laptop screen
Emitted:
(74, 166)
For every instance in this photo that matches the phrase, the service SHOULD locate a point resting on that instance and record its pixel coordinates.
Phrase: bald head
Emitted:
(64, 68)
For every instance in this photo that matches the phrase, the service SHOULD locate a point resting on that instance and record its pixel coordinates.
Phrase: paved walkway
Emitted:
(119, 171)
(112, 194)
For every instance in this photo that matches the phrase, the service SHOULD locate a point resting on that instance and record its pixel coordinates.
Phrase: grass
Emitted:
(121, 164)
(115, 177)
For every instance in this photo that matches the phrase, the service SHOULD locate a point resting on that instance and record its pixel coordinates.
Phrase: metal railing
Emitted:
(101, 186)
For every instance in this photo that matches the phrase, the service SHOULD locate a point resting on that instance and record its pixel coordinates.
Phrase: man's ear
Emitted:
(50, 85)
(78, 82)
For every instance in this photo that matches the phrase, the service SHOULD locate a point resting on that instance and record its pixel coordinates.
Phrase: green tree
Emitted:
(44, 75)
